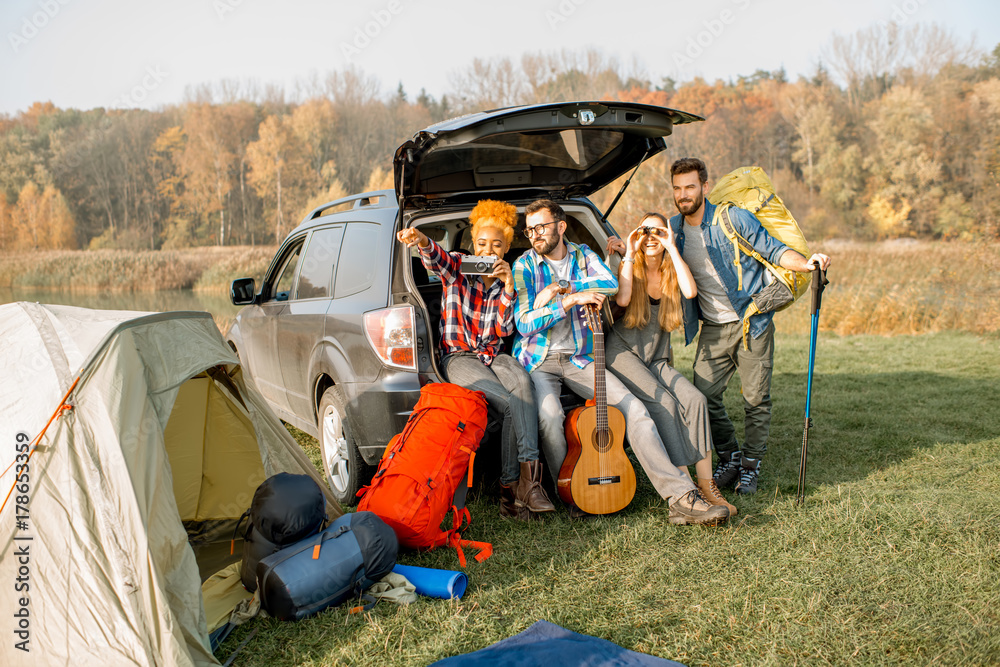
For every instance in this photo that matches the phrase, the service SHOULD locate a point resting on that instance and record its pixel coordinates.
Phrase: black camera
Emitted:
(478, 266)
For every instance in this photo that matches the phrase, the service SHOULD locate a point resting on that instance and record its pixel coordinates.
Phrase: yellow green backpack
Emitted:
(749, 188)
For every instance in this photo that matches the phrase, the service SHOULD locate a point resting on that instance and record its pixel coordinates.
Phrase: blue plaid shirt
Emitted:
(531, 275)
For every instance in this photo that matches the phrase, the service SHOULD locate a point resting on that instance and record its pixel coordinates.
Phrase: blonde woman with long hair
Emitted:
(651, 279)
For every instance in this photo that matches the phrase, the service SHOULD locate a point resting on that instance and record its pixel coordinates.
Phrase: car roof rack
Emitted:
(373, 199)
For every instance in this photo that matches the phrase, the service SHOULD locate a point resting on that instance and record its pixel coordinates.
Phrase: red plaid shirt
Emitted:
(474, 318)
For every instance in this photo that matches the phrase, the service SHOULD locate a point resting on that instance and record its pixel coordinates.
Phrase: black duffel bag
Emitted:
(286, 508)
(326, 569)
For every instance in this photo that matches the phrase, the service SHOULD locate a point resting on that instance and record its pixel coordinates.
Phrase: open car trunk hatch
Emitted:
(548, 150)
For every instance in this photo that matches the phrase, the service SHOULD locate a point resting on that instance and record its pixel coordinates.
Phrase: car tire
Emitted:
(346, 472)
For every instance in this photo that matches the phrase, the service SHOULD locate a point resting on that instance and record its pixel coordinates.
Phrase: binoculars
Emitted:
(655, 231)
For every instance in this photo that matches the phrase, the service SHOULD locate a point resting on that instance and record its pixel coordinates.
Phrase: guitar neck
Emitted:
(600, 384)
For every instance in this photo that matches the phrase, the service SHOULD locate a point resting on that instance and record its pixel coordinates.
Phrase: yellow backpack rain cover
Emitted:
(751, 189)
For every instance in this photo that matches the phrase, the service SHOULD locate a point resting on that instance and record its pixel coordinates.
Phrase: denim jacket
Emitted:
(720, 251)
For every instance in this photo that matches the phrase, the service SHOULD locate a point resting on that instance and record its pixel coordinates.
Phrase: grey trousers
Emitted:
(720, 353)
(678, 409)
(509, 392)
(668, 480)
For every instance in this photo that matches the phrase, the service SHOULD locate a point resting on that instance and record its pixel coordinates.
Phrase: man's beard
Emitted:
(692, 206)
(547, 245)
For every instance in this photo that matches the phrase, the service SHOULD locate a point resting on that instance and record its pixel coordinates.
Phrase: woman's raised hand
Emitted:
(615, 244)
(668, 239)
(411, 237)
(635, 240)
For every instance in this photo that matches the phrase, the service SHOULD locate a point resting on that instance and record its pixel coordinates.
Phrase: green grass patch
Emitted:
(892, 559)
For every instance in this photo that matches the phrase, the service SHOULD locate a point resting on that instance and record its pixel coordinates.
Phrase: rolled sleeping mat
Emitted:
(434, 583)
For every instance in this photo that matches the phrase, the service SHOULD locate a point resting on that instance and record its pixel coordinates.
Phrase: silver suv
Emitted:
(343, 331)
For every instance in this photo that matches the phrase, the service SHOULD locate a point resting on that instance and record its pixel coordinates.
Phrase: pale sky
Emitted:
(90, 53)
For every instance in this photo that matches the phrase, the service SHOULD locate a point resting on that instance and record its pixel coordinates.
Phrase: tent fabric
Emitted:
(545, 644)
(129, 497)
(222, 593)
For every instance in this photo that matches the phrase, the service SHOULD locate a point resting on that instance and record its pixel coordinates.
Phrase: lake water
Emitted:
(218, 305)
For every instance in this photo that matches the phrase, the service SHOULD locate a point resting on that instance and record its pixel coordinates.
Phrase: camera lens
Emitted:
(481, 266)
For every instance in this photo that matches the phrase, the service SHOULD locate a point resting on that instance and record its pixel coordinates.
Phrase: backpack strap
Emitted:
(441, 463)
(236, 531)
(741, 244)
(454, 538)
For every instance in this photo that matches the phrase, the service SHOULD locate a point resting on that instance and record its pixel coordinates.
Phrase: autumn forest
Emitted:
(895, 134)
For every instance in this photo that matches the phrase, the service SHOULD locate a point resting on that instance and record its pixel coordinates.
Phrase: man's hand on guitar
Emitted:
(583, 298)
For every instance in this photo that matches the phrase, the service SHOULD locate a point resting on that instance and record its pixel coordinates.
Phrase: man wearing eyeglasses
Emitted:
(552, 280)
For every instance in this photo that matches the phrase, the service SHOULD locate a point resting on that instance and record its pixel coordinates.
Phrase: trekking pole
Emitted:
(819, 284)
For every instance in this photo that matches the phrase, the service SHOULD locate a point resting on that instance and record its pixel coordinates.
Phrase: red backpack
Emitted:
(421, 474)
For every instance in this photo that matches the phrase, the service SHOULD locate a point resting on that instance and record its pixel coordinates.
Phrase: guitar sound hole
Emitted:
(602, 440)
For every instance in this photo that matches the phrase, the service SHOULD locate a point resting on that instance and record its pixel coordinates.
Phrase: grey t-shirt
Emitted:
(561, 333)
(712, 297)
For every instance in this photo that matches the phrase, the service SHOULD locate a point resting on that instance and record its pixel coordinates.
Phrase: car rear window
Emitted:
(557, 149)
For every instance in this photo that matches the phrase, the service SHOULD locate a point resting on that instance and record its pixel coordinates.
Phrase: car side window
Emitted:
(359, 257)
(286, 275)
(319, 263)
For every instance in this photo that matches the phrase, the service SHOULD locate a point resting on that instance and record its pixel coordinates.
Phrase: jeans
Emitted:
(509, 393)
(668, 480)
(720, 353)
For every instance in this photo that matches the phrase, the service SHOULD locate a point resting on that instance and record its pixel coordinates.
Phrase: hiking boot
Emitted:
(728, 469)
(508, 504)
(693, 508)
(529, 492)
(711, 493)
(749, 471)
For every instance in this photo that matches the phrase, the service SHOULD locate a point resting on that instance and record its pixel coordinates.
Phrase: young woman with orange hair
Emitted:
(476, 313)
(651, 278)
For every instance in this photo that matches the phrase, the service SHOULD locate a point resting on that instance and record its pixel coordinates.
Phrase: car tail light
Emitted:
(390, 333)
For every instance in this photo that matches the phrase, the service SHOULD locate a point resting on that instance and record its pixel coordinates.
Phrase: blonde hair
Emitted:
(637, 311)
(492, 213)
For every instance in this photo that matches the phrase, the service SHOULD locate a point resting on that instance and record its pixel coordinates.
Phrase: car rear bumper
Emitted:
(378, 410)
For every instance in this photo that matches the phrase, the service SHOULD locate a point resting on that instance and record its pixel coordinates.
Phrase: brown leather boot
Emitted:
(529, 488)
(509, 506)
(711, 493)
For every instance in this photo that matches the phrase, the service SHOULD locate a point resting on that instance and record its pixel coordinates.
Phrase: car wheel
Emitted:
(346, 472)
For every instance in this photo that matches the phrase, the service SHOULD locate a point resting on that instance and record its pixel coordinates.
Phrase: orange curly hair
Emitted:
(492, 213)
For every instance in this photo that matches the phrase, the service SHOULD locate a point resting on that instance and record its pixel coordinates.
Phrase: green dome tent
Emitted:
(157, 446)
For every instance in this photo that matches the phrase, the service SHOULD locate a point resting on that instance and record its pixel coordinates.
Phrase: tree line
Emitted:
(895, 134)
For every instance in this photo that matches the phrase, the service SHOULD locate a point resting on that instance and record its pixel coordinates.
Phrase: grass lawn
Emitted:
(893, 559)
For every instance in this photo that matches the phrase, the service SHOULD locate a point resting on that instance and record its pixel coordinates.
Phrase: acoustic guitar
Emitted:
(596, 475)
